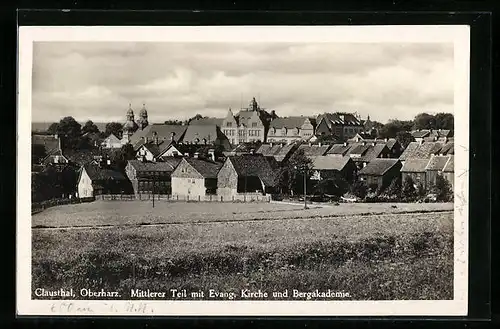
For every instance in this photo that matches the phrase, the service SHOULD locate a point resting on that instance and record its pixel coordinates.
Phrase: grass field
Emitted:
(377, 257)
(142, 212)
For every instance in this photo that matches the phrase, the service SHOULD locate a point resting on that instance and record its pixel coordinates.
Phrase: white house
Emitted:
(112, 142)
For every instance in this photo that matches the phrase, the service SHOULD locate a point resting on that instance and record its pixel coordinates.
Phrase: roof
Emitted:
(288, 122)
(415, 165)
(83, 157)
(330, 163)
(448, 148)
(359, 149)
(437, 162)
(263, 149)
(256, 165)
(102, 174)
(283, 152)
(163, 131)
(373, 152)
(420, 133)
(450, 165)
(339, 119)
(378, 167)
(244, 115)
(314, 150)
(422, 151)
(390, 143)
(168, 165)
(340, 149)
(207, 169)
(207, 122)
(200, 132)
(49, 141)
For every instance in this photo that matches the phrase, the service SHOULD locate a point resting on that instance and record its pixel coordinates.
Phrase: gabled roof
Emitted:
(415, 165)
(288, 122)
(379, 167)
(263, 149)
(359, 149)
(339, 118)
(314, 150)
(168, 165)
(49, 141)
(339, 149)
(330, 163)
(437, 162)
(97, 174)
(244, 116)
(163, 131)
(199, 133)
(208, 169)
(450, 165)
(447, 149)
(422, 151)
(284, 152)
(390, 143)
(374, 152)
(112, 137)
(420, 133)
(256, 165)
(207, 122)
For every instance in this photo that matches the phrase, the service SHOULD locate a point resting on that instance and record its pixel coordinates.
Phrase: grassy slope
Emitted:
(132, 213)
(371, 257)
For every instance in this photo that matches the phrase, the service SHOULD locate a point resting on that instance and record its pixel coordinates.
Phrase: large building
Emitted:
(248, 125)
(130, 127)
(340, 125)
(288, 130)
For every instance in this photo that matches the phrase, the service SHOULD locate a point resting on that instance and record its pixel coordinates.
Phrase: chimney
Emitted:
(373, 143)
(446, 139)
(211, 153)
(271, 144)
(364, 143)
(345, 143)
(196, 155)
(310, 144)
(319, 144)
(186, 154)
(172, 134)
(252, 151)
(420, 141)
(386, 139)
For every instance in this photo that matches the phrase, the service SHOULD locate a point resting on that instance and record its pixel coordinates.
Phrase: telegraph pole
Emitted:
(305, 187)
(153, 190)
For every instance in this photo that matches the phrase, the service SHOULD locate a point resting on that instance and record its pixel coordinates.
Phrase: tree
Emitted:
(196, 117)
(391, 129)
(394, 188)
(38, 152)
(404, 138)
(296, 167)
(424, 121)
(444, 121)
(442, 189)
(408, 191)
(114, 128)
(359, 189)
(53, 128)
(421, 192)
(336, 186)
(90, 127)
(173, 122)
(121, 157)
(70, 132)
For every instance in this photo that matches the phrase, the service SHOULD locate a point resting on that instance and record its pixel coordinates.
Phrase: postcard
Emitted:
(243, 170)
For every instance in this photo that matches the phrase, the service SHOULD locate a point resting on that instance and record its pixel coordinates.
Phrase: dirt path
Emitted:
(106, 226)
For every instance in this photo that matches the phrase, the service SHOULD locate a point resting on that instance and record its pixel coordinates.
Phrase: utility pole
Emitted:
(153, 190)
(305, 187)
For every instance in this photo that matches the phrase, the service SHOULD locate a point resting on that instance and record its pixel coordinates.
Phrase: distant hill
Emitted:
(43, 126)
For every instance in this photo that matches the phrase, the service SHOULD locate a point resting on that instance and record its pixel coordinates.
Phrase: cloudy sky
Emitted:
(97, 81)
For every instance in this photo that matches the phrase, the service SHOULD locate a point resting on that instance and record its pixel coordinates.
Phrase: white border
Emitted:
(458, 35)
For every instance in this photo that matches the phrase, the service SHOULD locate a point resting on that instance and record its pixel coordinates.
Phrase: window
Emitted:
(254, 124)
(229, 124)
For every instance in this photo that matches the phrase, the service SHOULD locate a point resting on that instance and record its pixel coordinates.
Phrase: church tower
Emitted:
(130, 126)
(143, 118)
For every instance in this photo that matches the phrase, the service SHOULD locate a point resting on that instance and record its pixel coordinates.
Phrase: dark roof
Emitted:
(210, 133)
(263, 149)
(256, 165)
(339, 118)
(207, 122)
(359, 149)
(449, 167)
(415, 165)
(422, 151)
(244, 115)
(447, 149)
(373, 152)
(97, 174)
(390, 143)
(163, 131)
(49, 141)
(207, 169)
(330, 163)
(288, 122)
(314, 150)
(83, 157)
(168, 165)
(437, 162)
(284, 152)
(420, 133)
(379, 167)
(339, 149)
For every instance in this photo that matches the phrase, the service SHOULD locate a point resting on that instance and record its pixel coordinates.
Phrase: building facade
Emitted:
(195, 178)
(341, 125)
(288, 130)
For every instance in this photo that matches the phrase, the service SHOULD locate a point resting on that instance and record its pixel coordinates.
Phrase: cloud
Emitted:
(177, 80)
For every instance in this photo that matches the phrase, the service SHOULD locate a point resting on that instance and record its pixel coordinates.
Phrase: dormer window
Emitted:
(254, 124)
(229, 124)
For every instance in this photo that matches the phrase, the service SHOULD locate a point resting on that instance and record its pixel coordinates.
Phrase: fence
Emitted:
(187, 198)
(42, 205)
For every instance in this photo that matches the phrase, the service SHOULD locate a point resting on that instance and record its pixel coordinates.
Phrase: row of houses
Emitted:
(376, 162)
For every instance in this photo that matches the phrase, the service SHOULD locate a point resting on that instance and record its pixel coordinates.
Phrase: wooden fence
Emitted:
(42, 205)
(187, 198)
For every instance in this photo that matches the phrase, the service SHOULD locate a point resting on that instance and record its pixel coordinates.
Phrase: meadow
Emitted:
(370, 255)
(123, 213)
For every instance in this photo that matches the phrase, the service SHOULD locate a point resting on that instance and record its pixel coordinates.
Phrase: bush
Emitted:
(442, 189)
(408, 191)
(359, 189)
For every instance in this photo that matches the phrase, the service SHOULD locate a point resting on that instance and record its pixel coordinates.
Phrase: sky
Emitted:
(98, 80)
